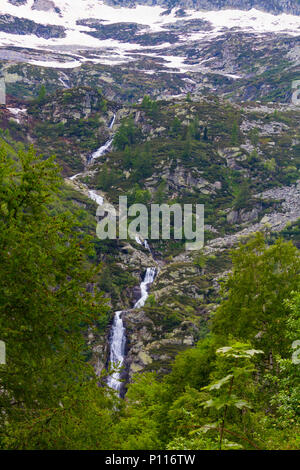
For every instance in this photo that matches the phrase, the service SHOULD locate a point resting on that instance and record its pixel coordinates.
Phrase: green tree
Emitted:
(235, 134)
(143, 163)
(175, 127)
(254, 136)
(150, 106)
(42, 94)
(187, 149)
(145, 422)
(262, 278)
(287, 380)
(45, 307)
(242, 192)
(126, 135)
(106, 178)
(195, 129)
(236, 362)
(160, 194)
(270, 165)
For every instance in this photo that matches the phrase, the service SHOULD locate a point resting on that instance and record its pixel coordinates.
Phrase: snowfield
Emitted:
(112, 51)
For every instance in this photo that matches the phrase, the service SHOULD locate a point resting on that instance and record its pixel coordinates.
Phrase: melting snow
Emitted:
(115, 52)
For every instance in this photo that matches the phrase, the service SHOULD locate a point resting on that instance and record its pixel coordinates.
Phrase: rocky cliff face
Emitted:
(22, 26)
(272, 6)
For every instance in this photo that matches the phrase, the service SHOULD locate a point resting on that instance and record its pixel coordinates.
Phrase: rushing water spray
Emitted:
(148, 279)
(143, 243)
(96, 197)
(118, 337)
(104, 148)
(117, 351)
(112, 122)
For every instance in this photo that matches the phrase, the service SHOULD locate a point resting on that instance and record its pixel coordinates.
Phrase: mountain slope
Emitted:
(98, 33)
(272, 6)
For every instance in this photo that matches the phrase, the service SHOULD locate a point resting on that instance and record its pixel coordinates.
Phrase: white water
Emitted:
(147, 246)
(117, 351)
(143, 243)
(75, 176)
(95, 197)
(64, 80)
(102, 150)
(118, 333)
(118, 337)
(148, 279)
(112, 122)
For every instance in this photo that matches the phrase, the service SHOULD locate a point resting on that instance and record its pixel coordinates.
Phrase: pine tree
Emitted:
(45, 308)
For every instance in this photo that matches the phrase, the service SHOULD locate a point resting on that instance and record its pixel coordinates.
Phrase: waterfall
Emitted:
(112, 122)
(72, 178)
(117, 340)
(64, 80)
(147, 246)
(148, 279)
(101, 150)
(118, 336)
(104, 148)
(95, 197)
(143, 243)
(117, 351)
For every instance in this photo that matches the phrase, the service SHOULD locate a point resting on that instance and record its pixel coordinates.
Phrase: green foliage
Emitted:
(236, 362)
(160, 194)
(176, 128)
(107, 178)
(45, 308)
(200, 260)
(145, 424)
(127, 134)
(138, 195)
(235, 134)
(220, 393)
(42, 94)
(241, 199)
(262, 278)
(151, 301)
(150, 106)
(270, 165)
(254, 136)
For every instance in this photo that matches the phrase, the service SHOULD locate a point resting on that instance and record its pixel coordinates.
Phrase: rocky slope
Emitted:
(241, 161)
(52, 34)
(223, 131)
(273, 6)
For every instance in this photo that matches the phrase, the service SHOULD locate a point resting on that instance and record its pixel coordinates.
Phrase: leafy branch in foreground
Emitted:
(237, 360)
(45, 305)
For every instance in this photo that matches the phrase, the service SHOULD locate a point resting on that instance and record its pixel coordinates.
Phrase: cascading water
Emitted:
(118, 336)
(104, 148)
(143, 243)
(112, 122)
(118, 333)
(101, 151)
(117, 351)
(148, 279)
(96, 197)
(147, 246)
